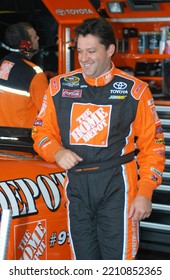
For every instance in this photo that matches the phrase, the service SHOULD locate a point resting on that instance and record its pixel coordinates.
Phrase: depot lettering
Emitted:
(20, 195)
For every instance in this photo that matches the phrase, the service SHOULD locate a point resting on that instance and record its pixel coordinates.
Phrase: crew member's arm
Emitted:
(38, 87)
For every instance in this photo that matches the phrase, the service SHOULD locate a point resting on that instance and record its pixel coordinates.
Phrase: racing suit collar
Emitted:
(102, 80)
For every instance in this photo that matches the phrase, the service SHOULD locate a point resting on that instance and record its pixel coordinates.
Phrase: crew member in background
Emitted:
(90, 123)
(22, 83)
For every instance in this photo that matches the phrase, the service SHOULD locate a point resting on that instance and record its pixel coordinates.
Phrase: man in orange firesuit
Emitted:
(91, 121)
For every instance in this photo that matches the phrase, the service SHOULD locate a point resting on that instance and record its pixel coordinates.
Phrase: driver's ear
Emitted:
(111, 50)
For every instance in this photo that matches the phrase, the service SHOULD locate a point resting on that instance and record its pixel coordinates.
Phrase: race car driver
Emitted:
(90, 123)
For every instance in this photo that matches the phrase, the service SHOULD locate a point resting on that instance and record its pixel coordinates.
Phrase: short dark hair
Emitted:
(16, 33)
(98, 27)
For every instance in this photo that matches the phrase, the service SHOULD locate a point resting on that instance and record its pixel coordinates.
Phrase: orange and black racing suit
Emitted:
(103, 120)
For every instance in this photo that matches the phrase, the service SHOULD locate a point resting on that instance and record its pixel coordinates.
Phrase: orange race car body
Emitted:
(33, 190)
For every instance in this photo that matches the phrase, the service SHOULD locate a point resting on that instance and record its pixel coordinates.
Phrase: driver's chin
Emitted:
(89, 73)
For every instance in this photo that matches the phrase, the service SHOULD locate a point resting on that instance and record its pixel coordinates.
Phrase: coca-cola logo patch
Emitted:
(76, 93)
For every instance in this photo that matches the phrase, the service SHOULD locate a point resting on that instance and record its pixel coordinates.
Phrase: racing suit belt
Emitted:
(100, 166)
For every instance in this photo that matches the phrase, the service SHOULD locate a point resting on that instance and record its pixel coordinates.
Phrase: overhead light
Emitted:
(116, 7)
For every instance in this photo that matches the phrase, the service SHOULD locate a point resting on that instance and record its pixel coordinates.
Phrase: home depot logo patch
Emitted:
(32, 241)
(90, 124)
(5, 69)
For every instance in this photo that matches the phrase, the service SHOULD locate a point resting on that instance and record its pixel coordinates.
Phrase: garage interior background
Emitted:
(35, 12)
